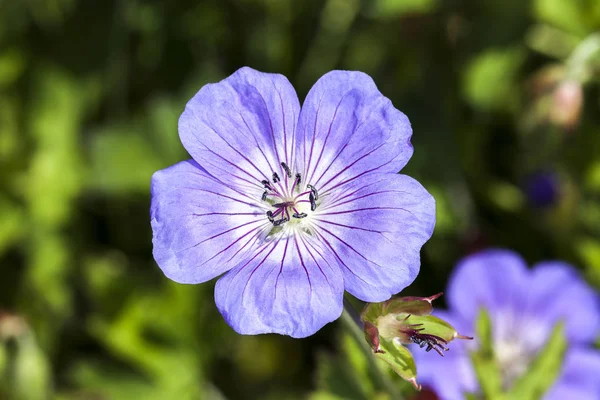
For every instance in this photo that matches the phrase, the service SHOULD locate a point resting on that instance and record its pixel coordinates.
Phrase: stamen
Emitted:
(431, 341)
(299, 215)
(264, 195)
(275, 177)
(314, 191)
(267, 184)
(287, 169)
(313, 203)
(270, 216)
(280, 221)
(298, 178)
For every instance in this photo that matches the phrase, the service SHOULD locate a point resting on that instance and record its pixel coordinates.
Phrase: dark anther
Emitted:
(270, 216)
(267, 184)
(264, 195)
(313, 203)
(280, 221)
(301, 215)
(431, 341)
(287, 169)
(275, 177)
(298, 178)
(314, 191)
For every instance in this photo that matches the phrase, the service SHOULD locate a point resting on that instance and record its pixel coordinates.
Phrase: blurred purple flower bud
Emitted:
(542, 189)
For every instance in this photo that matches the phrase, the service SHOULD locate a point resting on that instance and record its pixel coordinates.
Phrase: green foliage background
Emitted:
(90, 94)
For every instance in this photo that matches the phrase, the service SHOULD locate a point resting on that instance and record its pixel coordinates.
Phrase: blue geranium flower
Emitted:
(524, 306)
(291, 206)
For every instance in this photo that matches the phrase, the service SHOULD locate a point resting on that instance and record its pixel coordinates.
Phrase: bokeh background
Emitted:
(503, 97)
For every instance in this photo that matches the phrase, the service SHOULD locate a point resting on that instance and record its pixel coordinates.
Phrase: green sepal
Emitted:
(399, 305)
(544, 370)
(400, 359)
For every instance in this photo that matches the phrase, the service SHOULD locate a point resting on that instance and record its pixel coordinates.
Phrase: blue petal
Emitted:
(494, 279)
(242, 128)
(557, 292)
(375, 229)
(290, 286)
(199, 223)
(450, 377)
(348, 129)
(579, 378)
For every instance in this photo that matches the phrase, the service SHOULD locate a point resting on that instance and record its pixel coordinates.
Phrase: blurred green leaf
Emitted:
(13, 226)
(122, 162)
(579, 17)
(484, 362)
(12, 64)
(490, 81)
(27, 372)
(395, 8)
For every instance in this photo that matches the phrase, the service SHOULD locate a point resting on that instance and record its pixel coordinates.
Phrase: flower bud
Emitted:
(392, 324)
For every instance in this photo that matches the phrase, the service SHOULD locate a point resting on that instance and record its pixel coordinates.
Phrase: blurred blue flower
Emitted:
(542, 188)
(524, 306)
(292, 206)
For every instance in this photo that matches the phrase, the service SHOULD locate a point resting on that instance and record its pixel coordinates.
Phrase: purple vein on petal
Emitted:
(256, 142)
(344, 195)
(322, 187)
(351, 226)
(327, 136)
(302, 262)
(282, 123)
(350, 247)
(234, 149)
(338, 257)
(287, 242)
(368, 209)
(314, 136)
(230, 230)
(340, 152)
(259, 264)
(221, 195)
(358, 176)
(254, 236)
(336, 204)
(240, 268)
(223, 213)
(271, 126)
(232, 244)
(304, 242)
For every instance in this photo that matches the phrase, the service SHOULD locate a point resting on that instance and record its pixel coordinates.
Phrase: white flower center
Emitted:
(289, 198)
(513, 359)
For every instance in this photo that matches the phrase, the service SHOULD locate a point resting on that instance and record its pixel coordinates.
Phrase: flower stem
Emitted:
(353, 324)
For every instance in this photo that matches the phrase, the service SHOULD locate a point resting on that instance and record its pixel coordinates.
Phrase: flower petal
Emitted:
(376, 229)
(243, 127)
(558, 292)
(199, 223)
(290, 286)
(348, 129)
(494, 279)
(450, 377)
(579, 378)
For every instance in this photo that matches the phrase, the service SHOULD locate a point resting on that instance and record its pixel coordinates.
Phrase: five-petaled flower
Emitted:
(524, 306)
(292, 206)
